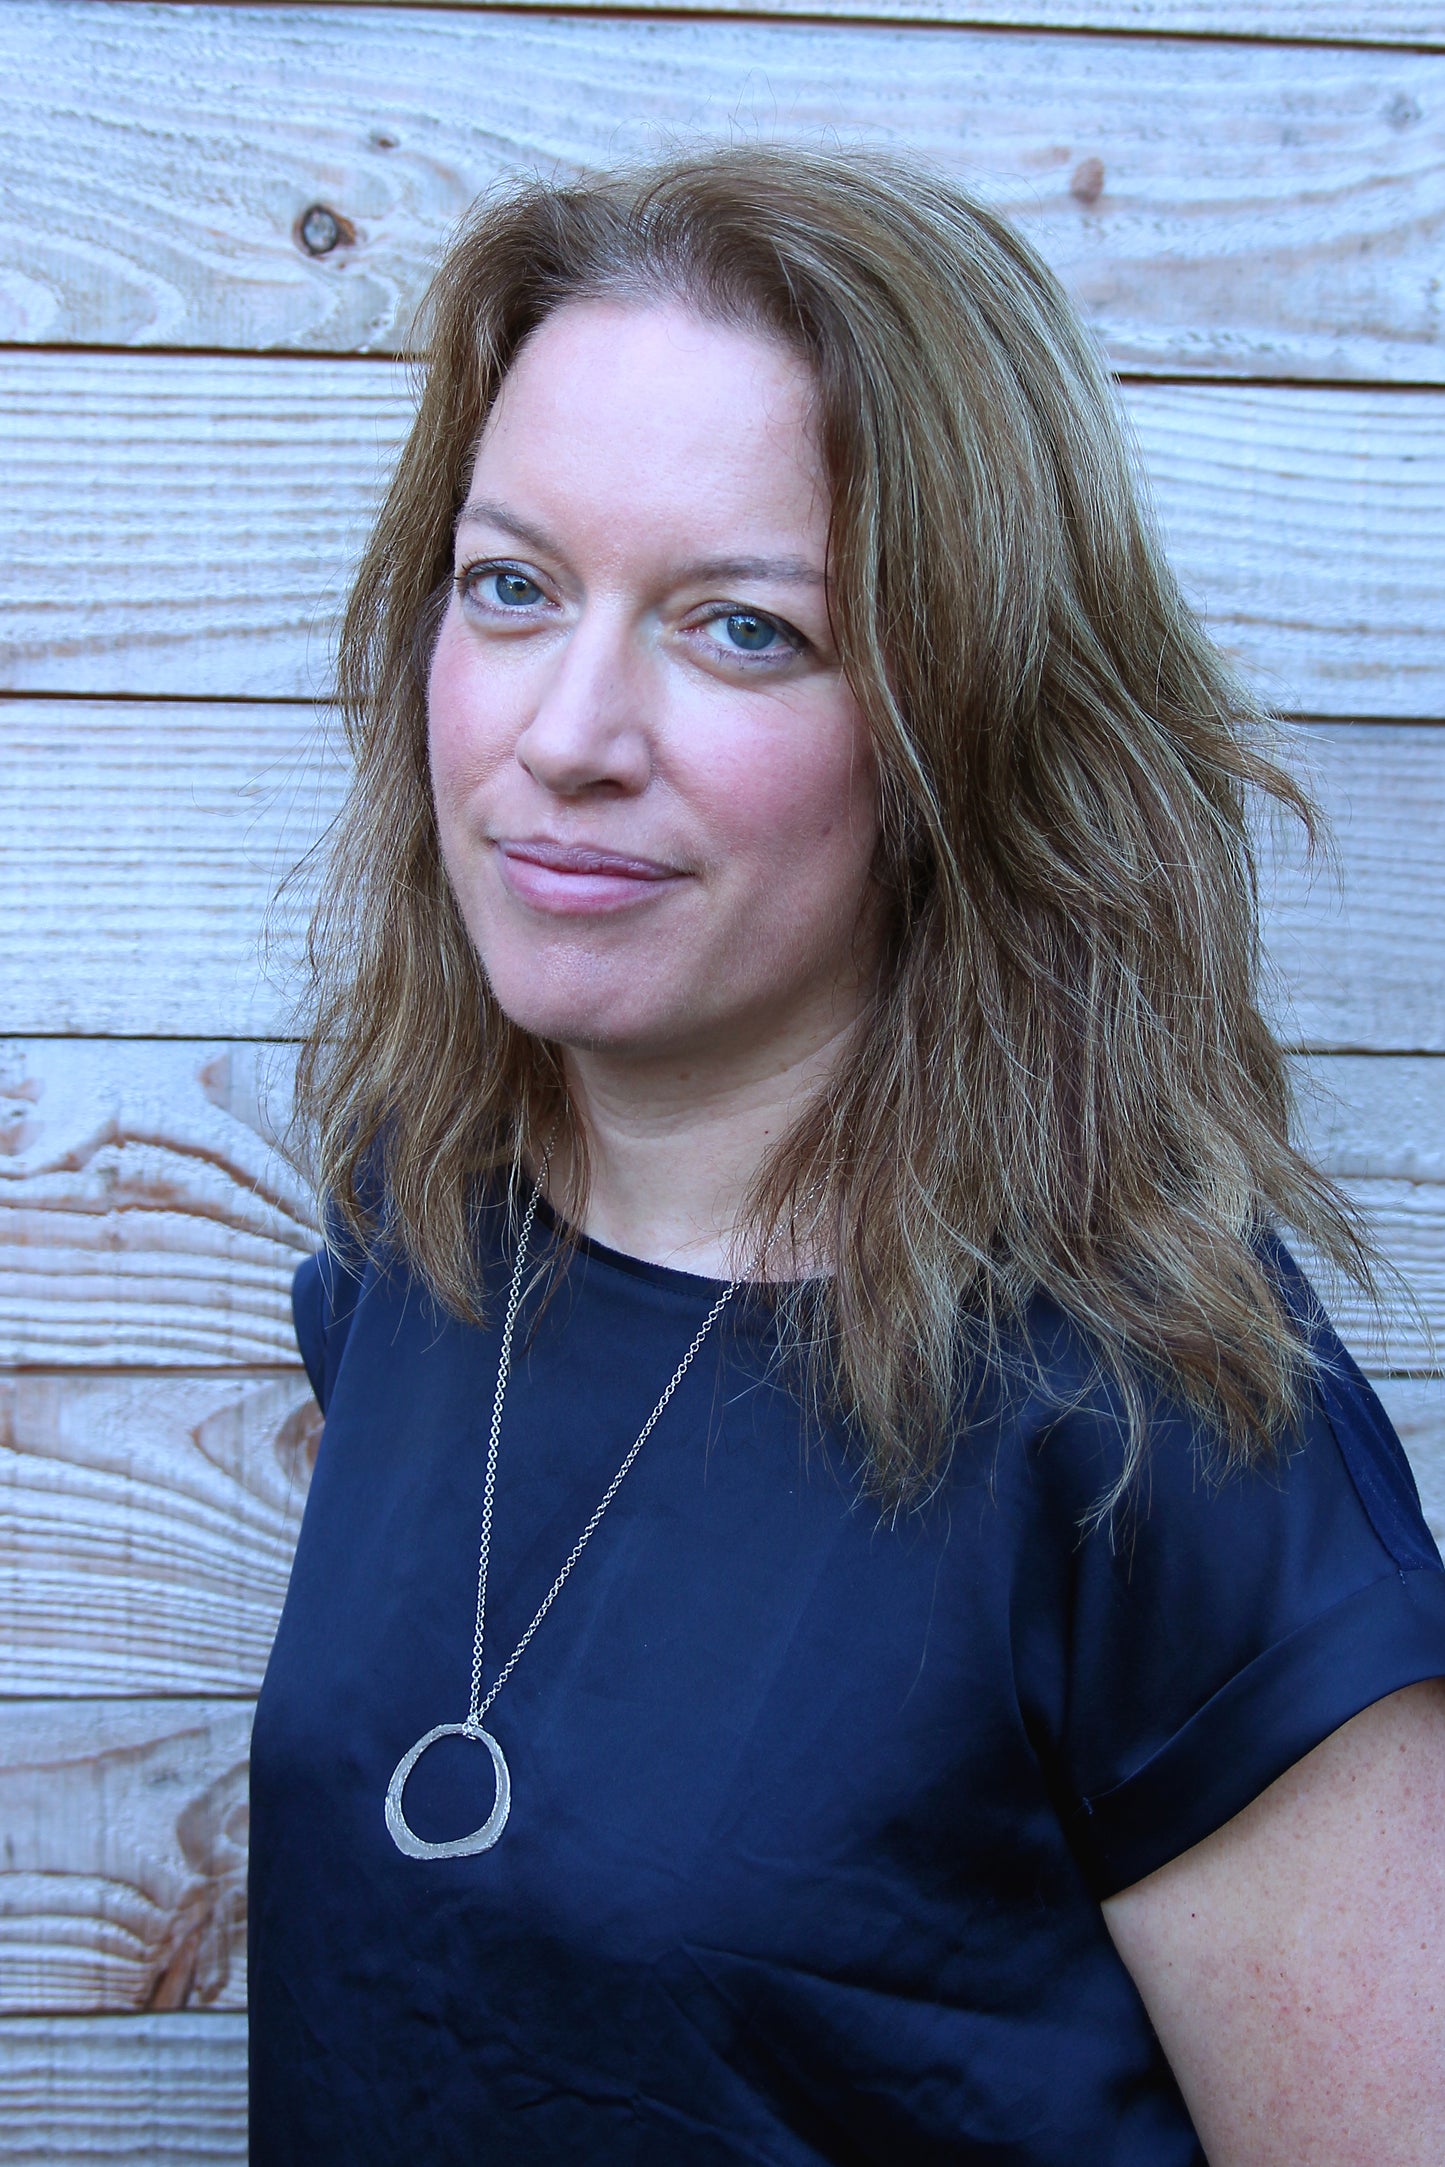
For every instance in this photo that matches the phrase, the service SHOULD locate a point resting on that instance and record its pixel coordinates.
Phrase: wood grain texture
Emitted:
(146, 1219)
(1378, 1124)
(1382, 22)
(123, 1867)
(1357, 961)
(139, 2091)
(149, 1525)
(1224, 208)
(189, 908)
(1303, 526)
(1416, 1406)
(224, 505)
(208, 805)
(146, 1529)
(1309, 525)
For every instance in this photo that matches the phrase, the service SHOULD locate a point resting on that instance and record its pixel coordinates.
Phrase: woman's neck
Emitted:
(674, 1149)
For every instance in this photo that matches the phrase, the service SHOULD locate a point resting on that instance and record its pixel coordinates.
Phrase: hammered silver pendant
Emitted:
(481, 1839)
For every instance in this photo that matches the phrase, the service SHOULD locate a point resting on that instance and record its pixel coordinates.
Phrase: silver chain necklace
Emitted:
(483, 1838)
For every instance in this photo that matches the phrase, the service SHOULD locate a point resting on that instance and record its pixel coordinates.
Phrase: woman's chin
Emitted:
(596, 1018)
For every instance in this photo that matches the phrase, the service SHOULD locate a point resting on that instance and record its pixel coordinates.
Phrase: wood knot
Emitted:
(319, 230)
(298, 1440)
(1087, 182)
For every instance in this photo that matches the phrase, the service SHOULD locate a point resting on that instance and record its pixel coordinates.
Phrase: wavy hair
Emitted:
(1064, 1085)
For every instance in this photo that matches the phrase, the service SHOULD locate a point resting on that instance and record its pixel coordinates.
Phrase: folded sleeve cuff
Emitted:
(1270, 1715)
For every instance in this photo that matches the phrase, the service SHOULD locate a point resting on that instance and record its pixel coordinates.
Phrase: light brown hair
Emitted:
(1065, 1084)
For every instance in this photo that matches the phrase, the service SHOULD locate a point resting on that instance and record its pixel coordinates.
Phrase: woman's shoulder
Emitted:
(1070, 1414)
(347, 1280)
(1227, 1612)
(326, 1291)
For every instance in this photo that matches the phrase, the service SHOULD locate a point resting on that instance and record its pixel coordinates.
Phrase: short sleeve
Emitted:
(1223, 1628)
(324, 1296)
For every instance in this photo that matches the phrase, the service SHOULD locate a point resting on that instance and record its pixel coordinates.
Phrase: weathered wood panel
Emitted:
(1383, 22)
(1284, 220)
(221, 505)
(208, 808)
(1304, 526)
(156, 2091)
(1309, 525)
(146, 1529)
(123, 1872)
(1357, 958)
(1416, 1406)
(1378, 1124)
(208, 805)
(149, 1525)
(145, 1218)
(145, 1221)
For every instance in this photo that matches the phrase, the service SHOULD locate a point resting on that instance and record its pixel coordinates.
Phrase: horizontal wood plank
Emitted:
(225, 501)
(1220, 208)
(1384, 22)
(224, 505)
(192, 901)
(1378, 1124)
(1356, 959)
(149, 1525)
(138, 2091)
(123, 1872)
(147, 1529)
(146, 1217)
(1416, 1406)
(146, 1221)
(207, 807)
(1302, 527)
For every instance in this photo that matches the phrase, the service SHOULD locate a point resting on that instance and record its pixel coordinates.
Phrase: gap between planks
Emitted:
(1126, 379)
(1395, 28)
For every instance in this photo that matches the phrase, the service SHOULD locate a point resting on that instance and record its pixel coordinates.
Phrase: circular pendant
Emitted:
(481, 1839)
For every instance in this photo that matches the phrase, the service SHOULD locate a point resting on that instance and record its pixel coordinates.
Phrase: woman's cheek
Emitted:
(467, 735)
(444, 707)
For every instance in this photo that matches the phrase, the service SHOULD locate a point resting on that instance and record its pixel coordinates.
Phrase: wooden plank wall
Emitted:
(198, 413)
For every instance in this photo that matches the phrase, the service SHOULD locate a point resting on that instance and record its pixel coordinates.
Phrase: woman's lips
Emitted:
(576, 878)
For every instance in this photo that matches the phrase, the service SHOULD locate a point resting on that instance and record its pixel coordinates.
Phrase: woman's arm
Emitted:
(1293, 1963)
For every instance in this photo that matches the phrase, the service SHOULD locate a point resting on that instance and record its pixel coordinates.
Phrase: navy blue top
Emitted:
(811, 1813)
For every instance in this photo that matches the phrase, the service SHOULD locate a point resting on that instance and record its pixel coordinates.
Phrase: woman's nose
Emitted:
(590, 727)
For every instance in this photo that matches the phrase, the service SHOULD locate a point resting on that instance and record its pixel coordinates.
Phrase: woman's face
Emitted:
(654, 789)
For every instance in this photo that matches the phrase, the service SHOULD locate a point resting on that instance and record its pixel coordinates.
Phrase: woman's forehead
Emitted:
(649, 412)
(650, 361)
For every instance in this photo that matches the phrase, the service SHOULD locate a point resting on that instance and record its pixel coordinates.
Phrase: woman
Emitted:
(950, 1671)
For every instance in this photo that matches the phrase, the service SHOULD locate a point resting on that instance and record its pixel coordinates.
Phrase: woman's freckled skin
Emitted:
(638, 659)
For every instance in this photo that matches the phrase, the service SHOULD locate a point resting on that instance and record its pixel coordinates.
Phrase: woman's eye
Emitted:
(514, 590)
(493, 585)
(749, 632)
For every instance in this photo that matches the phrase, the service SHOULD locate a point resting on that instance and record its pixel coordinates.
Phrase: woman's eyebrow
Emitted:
(483, 512)
(791, 571)
(795, 571)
